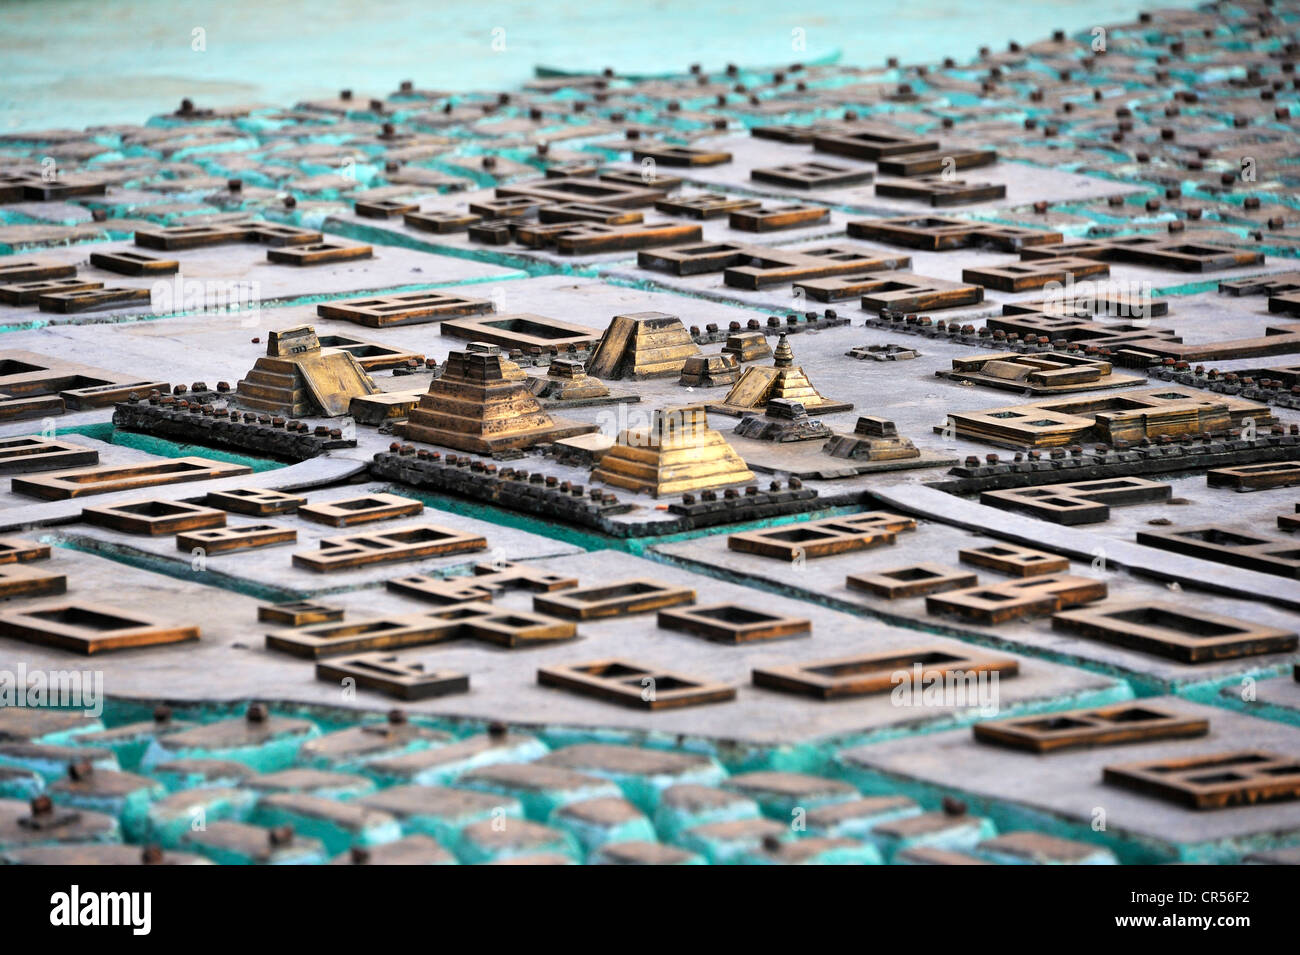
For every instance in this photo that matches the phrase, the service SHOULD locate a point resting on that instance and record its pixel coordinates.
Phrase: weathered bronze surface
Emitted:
(486, 582)
(873, 143)
(704, 206)
(256, 501)
(482, 403)
(1079, 729)
(873, 439)
(1078, 502)
(1229, 545)
(680, 155)
(1212, 781)
(915, 580)
(782, 379)
(1035, 273)
(936, 162)
(1041, 374)
(85, 300)
(18, 550)
(90, 628)
(298, 377)
(412, 308)
(761, 268)
(940, 192)
(567, 382)
(298, 613)
(106, 479)
(409, 542)
(642, 345)
(1191, 636)
(1130, 416)
(320, 253)
(34, 271)
(905, 292)
(732, 623)
(635, 684)
(26, 454)
(1014, 560)
(1255, 477)
(33, 385)
(154, 517)
(678, 452)
(616, 599)
(521, 330)
(937, 234)
(243, 537)
(824, 538)
(386, 674)
(777, 217)
(22, 580)
(134, 263)
(1032, 597)
(506, 628)
(360, 510)
(870, 673)
(570, 189)
(812, 175)
(30, 292)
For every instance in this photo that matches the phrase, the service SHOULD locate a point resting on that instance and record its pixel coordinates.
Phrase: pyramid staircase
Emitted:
(482, 404)
(298, 378)
(679, 452)
(642, 345)
(783, 380)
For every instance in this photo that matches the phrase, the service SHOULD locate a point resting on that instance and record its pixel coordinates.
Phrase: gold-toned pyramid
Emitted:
(298, 378)
(783, 379)
(679, 452)
(481, 403)
(642, 345)
(567, 380)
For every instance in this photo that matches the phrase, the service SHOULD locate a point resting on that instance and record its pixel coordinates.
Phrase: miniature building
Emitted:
(297, 377)
(710, 371)
(567, 380)
(482, 403)
(748, 346)
(874, 439)
(1130, 416)
(785, 420)
(1045, 373)
(642, 345)
(679, 452)
(582, 450)
(782, 379)
(887, 352)
(34, 385)
(385, 406)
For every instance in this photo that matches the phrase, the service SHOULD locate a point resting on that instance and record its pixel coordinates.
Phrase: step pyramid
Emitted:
(642, 345)
(874, 439)
(481, 403)
(298, 378)
(567, 380)
(679, 452)
(783, 380)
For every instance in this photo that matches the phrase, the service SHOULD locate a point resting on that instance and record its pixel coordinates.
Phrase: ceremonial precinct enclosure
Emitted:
(811, 462)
